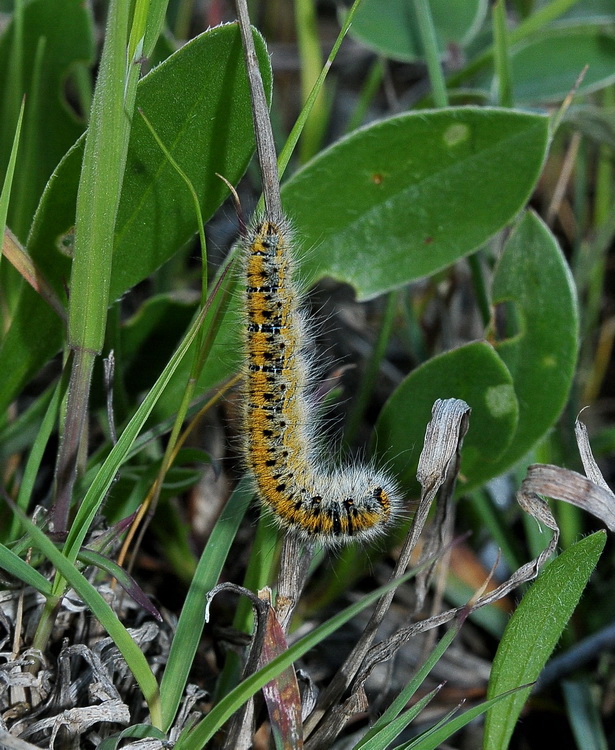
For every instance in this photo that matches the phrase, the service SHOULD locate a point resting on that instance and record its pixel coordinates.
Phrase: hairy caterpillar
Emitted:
(282, 443)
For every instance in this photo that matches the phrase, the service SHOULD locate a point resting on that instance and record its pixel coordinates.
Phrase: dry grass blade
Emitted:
(590, 493)
(265, 144)
(60, 712)
(438, 467)
(571, 487)
(587, 457)
(294, 565)
(8, 742)
(24, 265)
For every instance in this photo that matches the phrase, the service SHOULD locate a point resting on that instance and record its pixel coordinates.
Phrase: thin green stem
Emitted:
(14, 87)
(310, 64)
(368, 92)
(82, 365)
(501, 53)
(195, 200)
(431, 52)
(295, 133)
(370, 374)
(479, 281)
(5, 195)
(24, 200)
(532, 24)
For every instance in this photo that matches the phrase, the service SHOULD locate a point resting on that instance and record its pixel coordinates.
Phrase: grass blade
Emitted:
(5, 195)
(191, 620)
(19, 568)
(406, 694)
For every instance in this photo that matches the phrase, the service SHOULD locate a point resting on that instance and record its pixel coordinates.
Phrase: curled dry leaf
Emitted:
(587, 457)
(443, 438)
(590, 493)
(569, 486)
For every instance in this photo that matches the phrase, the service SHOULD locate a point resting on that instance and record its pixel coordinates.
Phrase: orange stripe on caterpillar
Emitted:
(282, 442)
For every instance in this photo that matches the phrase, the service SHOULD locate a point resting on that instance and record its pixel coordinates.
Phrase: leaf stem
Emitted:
(431, 52)
(370, 374)
(501, 53)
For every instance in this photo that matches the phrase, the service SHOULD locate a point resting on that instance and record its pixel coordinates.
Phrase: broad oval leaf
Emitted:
(474, 373)
(199, 104)
(405, 197)
(534, 630)
(390, 27)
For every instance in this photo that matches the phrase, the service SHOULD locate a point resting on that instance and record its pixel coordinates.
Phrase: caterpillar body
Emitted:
(307, 495)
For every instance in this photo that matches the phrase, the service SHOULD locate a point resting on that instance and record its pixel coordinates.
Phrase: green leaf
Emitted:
(533, 274)
(387, 734)
(546, 68)
(5, 195)
(534, 630)
(63, 28)
(19, 568)
(405, 197)
(474, 373)
(584, 715)
(100, 187)
(191, 622)
(390, 27)
(392, 721)
(434, 738)
(199, 104)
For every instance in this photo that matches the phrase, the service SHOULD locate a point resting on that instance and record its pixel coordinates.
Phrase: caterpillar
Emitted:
(284, 452)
